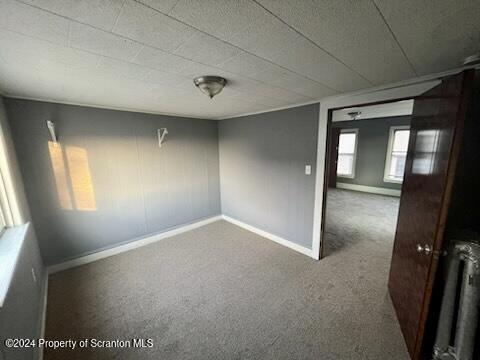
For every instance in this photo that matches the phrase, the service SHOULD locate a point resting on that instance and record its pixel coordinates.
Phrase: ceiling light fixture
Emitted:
(355, 114)
(210, 85)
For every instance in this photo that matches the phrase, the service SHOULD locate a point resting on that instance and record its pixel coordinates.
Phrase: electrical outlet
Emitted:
(34, 275)
(308, 169)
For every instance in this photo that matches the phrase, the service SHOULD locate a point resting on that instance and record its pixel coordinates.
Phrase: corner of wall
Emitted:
(11, 174)
(25, 304)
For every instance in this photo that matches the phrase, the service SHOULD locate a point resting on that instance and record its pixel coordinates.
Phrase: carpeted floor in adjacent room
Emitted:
(221, 292)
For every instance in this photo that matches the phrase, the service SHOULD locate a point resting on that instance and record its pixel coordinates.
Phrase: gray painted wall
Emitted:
(20, 315)
(372, 150)
(138, 188)
(262, 171)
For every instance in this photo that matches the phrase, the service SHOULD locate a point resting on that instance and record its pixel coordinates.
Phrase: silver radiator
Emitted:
(457, 325)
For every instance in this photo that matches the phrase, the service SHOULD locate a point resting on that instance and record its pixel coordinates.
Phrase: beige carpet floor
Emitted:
(221, 292)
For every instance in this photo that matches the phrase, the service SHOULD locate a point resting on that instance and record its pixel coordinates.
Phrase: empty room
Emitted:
(367, 155)
(239, 179)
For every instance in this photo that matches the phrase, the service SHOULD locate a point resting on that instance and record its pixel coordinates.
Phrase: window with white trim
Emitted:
(347, 153)
(5, 212)
(3, 223)
(396, 154)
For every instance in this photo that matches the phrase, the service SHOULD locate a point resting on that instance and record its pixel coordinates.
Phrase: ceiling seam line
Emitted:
(182, 44)
(173, 7)
(399, 84)
(233, 45)
(134, 57)
(394, 37)
(184, 77)
(166, 52)
(155, 69)
(161, 50)
(69, 33)
(118, 16)
(312, 42)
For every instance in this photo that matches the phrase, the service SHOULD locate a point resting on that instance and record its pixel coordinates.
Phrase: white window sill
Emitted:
(11, 242)
(392, 181)
(346, 176)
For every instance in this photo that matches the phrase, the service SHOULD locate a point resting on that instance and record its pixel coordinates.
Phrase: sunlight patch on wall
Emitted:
(81, 179)
(72, 177)
(60, 173)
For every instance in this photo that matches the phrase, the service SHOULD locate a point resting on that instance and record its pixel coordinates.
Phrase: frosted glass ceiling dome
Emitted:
(210, 85)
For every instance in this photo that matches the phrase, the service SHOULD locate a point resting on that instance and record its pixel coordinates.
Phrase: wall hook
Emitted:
(51, 129)
(161, 135)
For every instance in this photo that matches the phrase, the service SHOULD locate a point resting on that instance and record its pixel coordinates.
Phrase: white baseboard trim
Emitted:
(129, 246)
(299, 248)
(43, 316)
(149, 240)
(369, 189)
(157, 237)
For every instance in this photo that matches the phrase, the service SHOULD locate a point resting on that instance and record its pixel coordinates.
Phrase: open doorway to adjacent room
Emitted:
(367, 153)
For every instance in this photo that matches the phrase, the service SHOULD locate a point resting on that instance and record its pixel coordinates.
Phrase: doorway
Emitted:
(430, 166)
(366, 162)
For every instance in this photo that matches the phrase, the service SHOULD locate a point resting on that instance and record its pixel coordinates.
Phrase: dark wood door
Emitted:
(333, 157)
(435, 137)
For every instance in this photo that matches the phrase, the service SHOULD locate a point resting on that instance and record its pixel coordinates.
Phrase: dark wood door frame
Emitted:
(333, 156)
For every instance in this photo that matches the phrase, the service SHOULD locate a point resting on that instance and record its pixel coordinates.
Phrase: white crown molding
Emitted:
(291, 106)
(399, 84)
(105, 107)
(407, 82)
(402, 83)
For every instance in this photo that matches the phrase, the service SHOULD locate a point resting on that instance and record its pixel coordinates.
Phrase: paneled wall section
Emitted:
(107, 181)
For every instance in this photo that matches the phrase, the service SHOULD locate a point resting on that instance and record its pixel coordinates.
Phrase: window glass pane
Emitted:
(400, 141)
(345, 164)
(398, 154)
(346, 143)
(397, 166)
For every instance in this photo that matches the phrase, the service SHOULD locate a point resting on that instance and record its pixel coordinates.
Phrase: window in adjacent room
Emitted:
(396, 154)
(347, 152)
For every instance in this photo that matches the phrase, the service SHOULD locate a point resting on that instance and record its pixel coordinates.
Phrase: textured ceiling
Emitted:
(142, 55)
